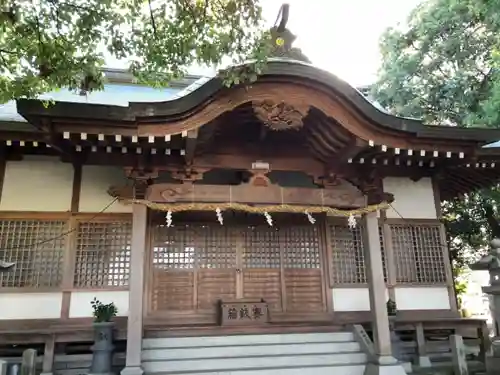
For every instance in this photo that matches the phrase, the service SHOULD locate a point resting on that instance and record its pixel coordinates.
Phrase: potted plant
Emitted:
(103, 336)
(391, 308)
(392, 311)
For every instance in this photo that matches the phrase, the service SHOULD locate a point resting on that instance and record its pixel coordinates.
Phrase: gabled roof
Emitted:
(279, 71)
(120, 89)
(334, 124)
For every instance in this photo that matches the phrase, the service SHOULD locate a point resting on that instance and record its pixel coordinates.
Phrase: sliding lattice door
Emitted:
(194, 266)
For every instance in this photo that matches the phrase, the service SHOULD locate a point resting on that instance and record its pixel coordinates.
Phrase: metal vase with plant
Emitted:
(103, 336)
(392, 311)
(391, 308)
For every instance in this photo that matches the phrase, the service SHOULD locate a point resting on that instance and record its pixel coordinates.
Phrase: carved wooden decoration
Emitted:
(123, 192)
(329, 180)
(188, 175)
(259, 177)
(343, 196)
(141, 173)
(370, 184)
(243, 312)
(279, 115)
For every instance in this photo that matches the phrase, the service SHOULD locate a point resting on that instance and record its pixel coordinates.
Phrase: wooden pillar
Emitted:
(389, 256)
(384, 362)
(3, 367)
(136, 288)
(423, 359)
(3, 166)
(48, 355)
(450, 280)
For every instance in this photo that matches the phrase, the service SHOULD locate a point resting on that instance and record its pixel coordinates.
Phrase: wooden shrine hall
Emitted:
(289, 205)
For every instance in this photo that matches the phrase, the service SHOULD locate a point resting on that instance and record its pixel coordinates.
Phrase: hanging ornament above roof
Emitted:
(282, 38)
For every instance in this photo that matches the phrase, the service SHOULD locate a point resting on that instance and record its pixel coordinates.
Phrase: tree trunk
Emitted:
(492, 220)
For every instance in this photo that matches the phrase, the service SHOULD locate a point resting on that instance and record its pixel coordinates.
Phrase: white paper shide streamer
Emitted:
(218, 212)
(351, 222)
(310, 217)
(168, 218)
(268, 218)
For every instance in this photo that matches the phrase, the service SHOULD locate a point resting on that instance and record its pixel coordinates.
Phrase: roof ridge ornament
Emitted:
(282, 38)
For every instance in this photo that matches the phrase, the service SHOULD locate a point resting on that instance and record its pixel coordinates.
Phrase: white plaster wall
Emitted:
(30, 305)
(351, 299)
(96, 181)
(37, 183)
(413, 200)
(80, 302)
(424, 298)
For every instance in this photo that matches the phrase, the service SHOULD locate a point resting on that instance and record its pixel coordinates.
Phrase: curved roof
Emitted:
(212, 91)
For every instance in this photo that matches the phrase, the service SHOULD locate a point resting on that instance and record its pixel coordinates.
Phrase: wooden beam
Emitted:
(76, 188)
(3, 166)
(191, 140)
(353, 148)
(343, 195)
(51, 136)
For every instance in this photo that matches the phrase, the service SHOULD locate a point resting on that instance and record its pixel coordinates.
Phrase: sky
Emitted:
(342, 37)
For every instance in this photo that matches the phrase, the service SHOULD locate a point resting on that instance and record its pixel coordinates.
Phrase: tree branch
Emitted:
(151, 16)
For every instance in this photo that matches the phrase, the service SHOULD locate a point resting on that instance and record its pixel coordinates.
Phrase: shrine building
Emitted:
(289, 209)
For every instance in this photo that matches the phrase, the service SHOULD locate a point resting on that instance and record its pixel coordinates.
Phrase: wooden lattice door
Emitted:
(195, 266)
(302, 269)
(262, 266)
(192, 268)
(284, 267)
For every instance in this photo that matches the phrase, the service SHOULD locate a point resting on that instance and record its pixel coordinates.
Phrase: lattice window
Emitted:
(193, 246)
(419, 255)
(301, 247)
(261, 248)
(348, 262)
(174, 247)
(37, 248)
(347, 257)
(103, 254)
(215, 248)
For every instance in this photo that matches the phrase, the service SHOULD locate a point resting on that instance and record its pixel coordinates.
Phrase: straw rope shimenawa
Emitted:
(179, 207)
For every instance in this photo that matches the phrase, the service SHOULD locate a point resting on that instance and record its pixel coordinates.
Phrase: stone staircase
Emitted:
(268, 354)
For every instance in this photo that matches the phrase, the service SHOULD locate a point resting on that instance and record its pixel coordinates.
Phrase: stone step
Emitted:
(249, 350)
(307, 370)
(223, 364)
(211, 341)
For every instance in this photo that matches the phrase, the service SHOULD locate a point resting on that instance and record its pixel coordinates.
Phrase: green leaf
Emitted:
(444, 69)
(51, 44)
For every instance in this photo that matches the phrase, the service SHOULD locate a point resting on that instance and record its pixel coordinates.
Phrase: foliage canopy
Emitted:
(50, 44)
(444, 67)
